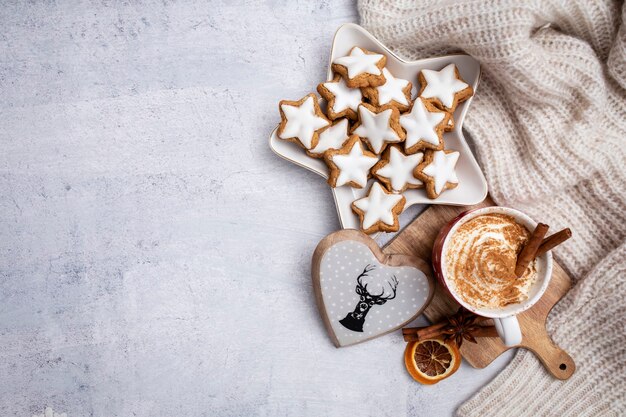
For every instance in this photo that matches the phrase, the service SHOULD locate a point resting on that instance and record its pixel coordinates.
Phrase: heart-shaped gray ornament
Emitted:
(363, 293)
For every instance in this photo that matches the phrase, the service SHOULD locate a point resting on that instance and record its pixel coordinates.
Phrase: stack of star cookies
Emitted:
(373, 128)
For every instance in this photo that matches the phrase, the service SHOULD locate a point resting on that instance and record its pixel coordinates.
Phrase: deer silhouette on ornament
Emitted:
(386, 291)
(391, 289)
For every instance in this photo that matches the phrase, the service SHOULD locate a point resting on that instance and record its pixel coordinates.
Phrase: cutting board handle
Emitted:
(556, 360)
(417, 238)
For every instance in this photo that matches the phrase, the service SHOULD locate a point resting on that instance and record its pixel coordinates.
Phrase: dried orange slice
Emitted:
(430, 361)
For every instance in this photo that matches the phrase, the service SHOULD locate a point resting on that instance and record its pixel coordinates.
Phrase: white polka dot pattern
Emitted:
(340, 267)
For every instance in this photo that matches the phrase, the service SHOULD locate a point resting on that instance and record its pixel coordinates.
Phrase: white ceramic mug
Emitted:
(504, 318)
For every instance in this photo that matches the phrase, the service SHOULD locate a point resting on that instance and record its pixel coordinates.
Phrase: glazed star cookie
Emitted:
(379, 210)
(424, 126)
(331, 137)
(301, 121)
(350, 165)
(378, 127)
(343, 101)
(361, 68)
(396, 92)
(395, 170)
(437, 171)
(445, 89)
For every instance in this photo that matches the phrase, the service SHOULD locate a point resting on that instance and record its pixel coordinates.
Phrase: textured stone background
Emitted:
(154, 253)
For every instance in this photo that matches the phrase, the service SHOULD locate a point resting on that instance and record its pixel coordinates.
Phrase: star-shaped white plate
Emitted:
(472, 188)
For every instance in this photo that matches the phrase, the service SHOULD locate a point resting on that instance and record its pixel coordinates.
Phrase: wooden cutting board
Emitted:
(417, 239)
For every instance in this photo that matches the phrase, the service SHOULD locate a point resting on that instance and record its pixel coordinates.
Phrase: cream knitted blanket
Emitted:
(548, 125)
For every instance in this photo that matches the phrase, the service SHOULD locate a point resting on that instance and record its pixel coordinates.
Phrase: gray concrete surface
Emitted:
(154, 253)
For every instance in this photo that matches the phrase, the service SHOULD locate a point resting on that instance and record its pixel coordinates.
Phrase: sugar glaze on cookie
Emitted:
(342, 100)
(379, 210)
(438, 171)
(424, 126)
(396, 169)
(395, 92)
(361, 68)
(445, 86)
(378, 127)
(332, 137)
(358, 62)
(350, 165)
(301, 120)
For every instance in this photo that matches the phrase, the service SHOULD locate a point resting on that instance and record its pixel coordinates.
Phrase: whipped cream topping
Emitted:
(480, 262)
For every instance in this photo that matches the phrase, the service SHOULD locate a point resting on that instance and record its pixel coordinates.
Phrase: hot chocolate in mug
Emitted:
(496, 233)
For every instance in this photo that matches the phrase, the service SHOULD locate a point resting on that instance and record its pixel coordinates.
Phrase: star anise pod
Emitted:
(461, 326)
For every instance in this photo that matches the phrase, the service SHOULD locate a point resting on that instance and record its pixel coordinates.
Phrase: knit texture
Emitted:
(548, 124)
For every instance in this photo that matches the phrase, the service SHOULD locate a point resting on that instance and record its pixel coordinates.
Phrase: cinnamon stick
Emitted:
(530, 250)
(485, 331)
(410, 337)
(553, 241)
(413, 334)
(423, 333)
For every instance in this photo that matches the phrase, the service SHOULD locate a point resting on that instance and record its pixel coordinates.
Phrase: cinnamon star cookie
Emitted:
(445, 89)
(395, 170)
(396, 92)
(301, 121)
(343, 101)
(361, 68)
(424, 126)
(438, 172)
(331, 137)
(379, 210)
(378, 127)
(350, 165)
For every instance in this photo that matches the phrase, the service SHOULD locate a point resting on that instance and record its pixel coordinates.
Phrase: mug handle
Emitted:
(509, 331)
